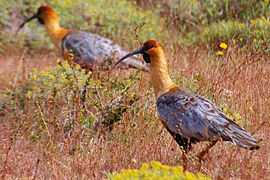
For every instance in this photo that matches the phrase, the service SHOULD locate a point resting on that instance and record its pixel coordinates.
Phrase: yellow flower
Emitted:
(59, 67)
(238, 117)
(229, 116)
(225, 110)
(223, 46)
(29, 93)
(51, 76)
(34, 69)
(44, 73)
(220, 53)
(35, 77)
(77, 67)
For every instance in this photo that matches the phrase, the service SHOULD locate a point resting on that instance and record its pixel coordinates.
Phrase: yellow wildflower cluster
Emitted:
(223, 46)
(220, 53)
(155, 170)
(234, 115)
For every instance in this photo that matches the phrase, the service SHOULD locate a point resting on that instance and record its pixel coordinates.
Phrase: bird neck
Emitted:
(160, 78)
(54, 31)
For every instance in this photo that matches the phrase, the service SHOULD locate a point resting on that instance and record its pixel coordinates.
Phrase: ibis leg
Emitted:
(184, 157)
(201, 155)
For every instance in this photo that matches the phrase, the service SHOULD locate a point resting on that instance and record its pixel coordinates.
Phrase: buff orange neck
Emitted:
(160, 78)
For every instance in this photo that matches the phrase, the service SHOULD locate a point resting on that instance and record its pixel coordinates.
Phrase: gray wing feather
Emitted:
(193, 116)
(90, 48)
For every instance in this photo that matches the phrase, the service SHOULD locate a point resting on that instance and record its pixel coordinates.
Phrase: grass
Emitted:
(48, 128)
(37, 143)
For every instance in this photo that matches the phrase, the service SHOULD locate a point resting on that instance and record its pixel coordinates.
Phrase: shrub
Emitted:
(254, 33)
(155, 170)
(69, 96)
(212, 21)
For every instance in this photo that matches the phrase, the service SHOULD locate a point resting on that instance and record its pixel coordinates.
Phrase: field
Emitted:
(58, 122)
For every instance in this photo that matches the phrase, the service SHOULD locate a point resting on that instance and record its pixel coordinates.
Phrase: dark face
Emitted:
(40, 20)
(142, 50)
(146, 57)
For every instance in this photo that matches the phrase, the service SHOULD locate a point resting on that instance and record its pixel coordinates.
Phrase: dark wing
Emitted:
(193, 116)
(91, 48)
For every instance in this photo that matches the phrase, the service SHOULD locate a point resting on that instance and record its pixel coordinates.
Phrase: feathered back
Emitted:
(91, 48)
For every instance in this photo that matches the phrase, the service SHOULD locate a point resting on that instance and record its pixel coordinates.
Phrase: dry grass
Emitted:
(63, 153)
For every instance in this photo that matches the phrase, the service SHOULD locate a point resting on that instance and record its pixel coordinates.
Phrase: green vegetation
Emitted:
(114, 19)
(254, 33)
(78, 97)
(196, 22)
(212, 21)
(155, 170)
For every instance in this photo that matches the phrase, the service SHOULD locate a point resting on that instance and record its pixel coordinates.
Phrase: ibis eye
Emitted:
(150, 45)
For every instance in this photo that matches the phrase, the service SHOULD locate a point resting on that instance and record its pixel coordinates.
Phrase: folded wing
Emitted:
(89, 49)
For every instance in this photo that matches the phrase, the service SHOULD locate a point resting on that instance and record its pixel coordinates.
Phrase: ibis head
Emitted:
(43, 14)
(149, 48)
(47, 17)
(154, 54)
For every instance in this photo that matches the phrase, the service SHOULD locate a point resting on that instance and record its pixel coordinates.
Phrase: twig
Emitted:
(6, 160)
(100, 102)
(36, 169)
(50, 138)
(259, 127)
(17, 72)
(136, 32)
(68, 106)
(113, 103)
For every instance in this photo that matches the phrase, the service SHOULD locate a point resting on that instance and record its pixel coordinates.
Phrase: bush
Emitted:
(69, 96)
(155, 170)
(212, 21)
(254, 33)
(194, 14)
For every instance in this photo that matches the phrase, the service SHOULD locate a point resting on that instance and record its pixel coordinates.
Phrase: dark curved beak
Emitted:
(29, 19)
(137, 51)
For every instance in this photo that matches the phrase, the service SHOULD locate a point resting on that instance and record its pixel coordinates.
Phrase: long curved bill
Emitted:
(29, 19)
(137, 51)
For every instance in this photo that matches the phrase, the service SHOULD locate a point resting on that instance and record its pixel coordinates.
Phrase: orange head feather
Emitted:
(152, 43)
(45, 14)
(45, 8)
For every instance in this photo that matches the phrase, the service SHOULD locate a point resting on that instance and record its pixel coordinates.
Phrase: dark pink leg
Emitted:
(202, 154)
